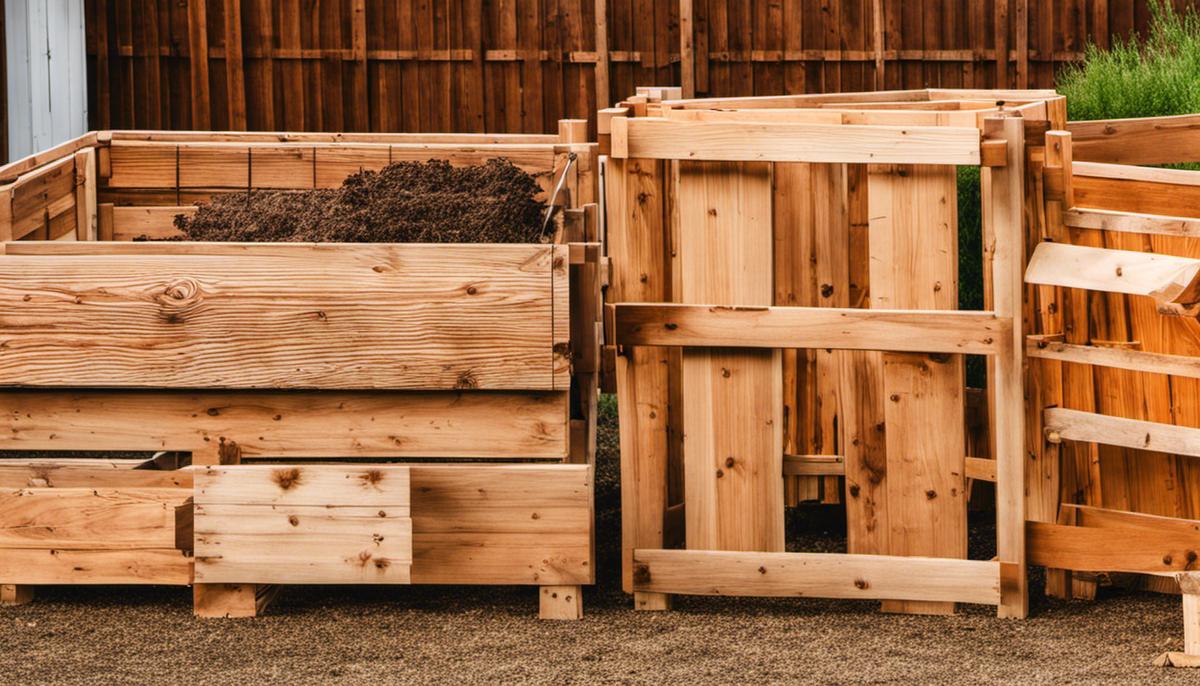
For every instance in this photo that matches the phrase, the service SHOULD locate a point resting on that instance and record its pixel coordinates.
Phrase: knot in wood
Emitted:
(177, 297)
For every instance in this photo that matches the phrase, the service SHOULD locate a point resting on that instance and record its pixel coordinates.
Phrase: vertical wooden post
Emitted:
(637, 244)
(603, 95)
(231, 600)
(560, 602)
(1000, 34)
(1021, 20)
(732, 398)
(1006, 231)
(687, 56)
(198, 59)
(235, 75)
(914, 265)
(85, 194)
(877, 36)
(1189, 587)
(15, 594)
(358, 75)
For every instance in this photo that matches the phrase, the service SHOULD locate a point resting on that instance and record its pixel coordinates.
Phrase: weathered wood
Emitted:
(809, 327)
(817, 575)
(460, 424)
(319, 524)
(287, 316)
(791, 142)
(1075, 425)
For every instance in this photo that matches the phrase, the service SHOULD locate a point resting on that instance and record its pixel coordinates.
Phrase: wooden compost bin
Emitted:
(1114, 347)
(785, 327)
(460, 379)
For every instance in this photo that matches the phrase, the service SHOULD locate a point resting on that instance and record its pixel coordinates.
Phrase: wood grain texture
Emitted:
(159, 567)
(315, 524)
(1074, 425)
(464, 424)
(89, 518)
(817, 575)
(1095, 549)
(1169, 280)
(295, 316)
(791, 142)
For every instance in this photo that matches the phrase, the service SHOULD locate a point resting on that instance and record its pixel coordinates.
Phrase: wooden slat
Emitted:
(732, 398)
(814, 465)
(1132, 222)
(1166, 278)
(89, 518)
(780, 142)
(159, 567)
(129, 223)
(1141, 141)
(1096, 549)
(1121, 358)
(495, 425)
(1074, 425)
(817, 575)
(88, 473)
(308, 524)
(287, 316)
(981, 468)
(808, 327)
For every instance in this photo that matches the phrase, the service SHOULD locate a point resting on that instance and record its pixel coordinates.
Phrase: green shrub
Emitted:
(1154, 77)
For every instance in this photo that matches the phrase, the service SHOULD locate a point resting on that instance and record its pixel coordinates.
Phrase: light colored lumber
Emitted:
(24, 474)
(788, 142)
(227, 601)
(417, 316)
(1119, 358)
(981, 468)
(814, 465)
(1169, 280)
(560, 602)
(312, 524)
(131, 223)
(160, 567)
(495, 425)
(90, 518)
(1132, 222)
(809, 327)
(1138, 141)
(1076, 425)
(1104, 549)
(732, 398)
(15, 594)
(817, 575)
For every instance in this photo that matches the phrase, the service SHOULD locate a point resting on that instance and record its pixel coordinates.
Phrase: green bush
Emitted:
(1154, 77)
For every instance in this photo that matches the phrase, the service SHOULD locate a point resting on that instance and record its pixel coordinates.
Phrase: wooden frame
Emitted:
(690, 185)
(478, 518)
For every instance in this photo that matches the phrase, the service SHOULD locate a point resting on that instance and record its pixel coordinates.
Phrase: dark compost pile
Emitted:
(405, 202)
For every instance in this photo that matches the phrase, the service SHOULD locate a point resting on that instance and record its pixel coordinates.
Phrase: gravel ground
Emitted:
(487, 635)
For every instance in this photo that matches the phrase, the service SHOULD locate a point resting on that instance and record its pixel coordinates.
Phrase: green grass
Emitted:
(1154, 76)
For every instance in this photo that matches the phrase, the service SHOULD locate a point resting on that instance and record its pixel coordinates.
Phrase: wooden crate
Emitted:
(784, 329)
(469, 369)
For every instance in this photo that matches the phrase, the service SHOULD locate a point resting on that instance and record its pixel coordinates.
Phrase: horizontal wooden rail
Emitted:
(1119, 358)
(1076, 425)
(645, 137)
(981, 468)
(1173, 282)
(666, 324)
(1132, 222)
(816, 575)
(814, 465)
(1143, 140)
(1104, 549)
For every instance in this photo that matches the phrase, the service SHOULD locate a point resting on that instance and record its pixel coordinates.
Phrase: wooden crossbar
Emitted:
(816, 575)
(1076, 425)
(1139, 549)
(1132, 222)
(1170, 280)
(1119, 358)
(654, 138)
(980, 333)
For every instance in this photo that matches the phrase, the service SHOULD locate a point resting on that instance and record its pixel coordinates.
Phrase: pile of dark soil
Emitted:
(405, 202)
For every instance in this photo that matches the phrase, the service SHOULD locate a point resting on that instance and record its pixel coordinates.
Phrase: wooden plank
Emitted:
(787, 142)
(732, 413)
(1092, 549)
(1121, 358)
(502, 524)
(89, 518)
(1004, 231)
(374, 486)
(130, 223)
(13, 594)
(809, 327)
(85, 194)
(160, 567)
(1074, 425)
(817, 575)
(981, 468)
(88, 473)
(197, 22)
(282, 167)
(142, 166)
(500, 425)
(814, 465)
(1169, 280)
(1132, 222)
(285, 308)
(235, 75)
(1138, 141)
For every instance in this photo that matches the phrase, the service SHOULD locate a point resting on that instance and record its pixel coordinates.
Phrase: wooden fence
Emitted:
(521, 65)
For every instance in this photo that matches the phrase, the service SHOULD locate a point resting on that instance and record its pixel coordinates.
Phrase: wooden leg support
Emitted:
(231, 600)
(560, 602)
(651, 602)
(1189, 584)
(14, 594)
